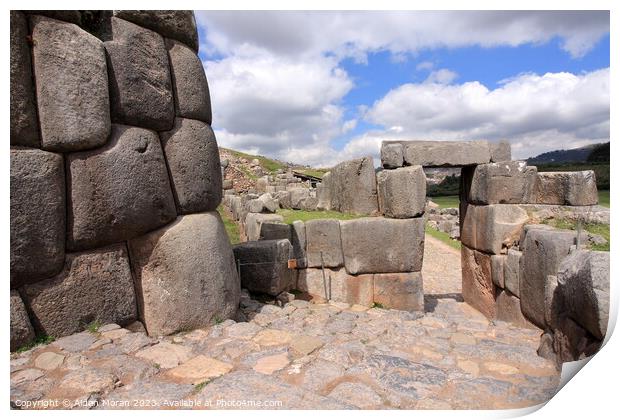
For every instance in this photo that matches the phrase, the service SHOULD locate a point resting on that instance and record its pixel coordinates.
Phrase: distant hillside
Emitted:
(580, 154)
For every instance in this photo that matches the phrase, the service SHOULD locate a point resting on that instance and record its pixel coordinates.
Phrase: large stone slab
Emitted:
(503, 183)
(185, 274)
(500, 152)
(24, 125)
(253, 222)
(175, 24)
(191, 90)
(379, 245)
(323, 244)
(72, 86)
(140, 84)
(336, 285)
(402, 291)
(583, 278)
(402, 192)
(511, 271)
(94, 286)
(119, 191)
(445, 153)
(353, 187)
(264, 265)
(323, 193)
(37, 215)
(478, 288)
(22, 332)
(194, 164)
(295, 233)
(568, 188)
(508, 309)
(543, 250)
(492, 228)
(391, 155)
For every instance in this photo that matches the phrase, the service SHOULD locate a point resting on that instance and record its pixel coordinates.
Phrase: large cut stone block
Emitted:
(119, 191)
(24, 129)
(295, 233)
(511, 271)
(194, 164)
(140, 85)
(264, 265)
(500, 152)
(478, 288)
(567, 188)
(323, 193)
(508, 309)
(323, 238)
(379, 245)
(391, 155)
(402, 291)
(497, 270)
(175, 24)
(93, 286)
(72, 86)
(253, 222)
(353, 187)
(22, 332)
(492, 228)
(37, 215)
(543, 250)
(185, 274)
(446, 153)
(583, 279)
(503, 183)
(191, 90)
(336, 285)
(402, 192)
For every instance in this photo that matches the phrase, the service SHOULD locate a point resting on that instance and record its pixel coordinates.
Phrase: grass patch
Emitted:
(443, 237)
(377, 305)
(232, 230)
(291, 215)
(217, 320)
(593, 228)
(317, 172)
(200, 386)
(603, 198)
(446, 201)
(270, 165)
(42, 339)
(94, 326)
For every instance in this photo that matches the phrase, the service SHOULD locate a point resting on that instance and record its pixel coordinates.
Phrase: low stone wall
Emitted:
(114, 170)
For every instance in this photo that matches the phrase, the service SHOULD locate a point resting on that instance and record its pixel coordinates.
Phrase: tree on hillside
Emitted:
(600, 154)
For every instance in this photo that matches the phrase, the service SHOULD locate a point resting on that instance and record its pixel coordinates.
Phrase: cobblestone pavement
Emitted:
(302, 355)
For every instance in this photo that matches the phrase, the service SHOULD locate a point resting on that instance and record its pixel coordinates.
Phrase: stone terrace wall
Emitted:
(115, 176)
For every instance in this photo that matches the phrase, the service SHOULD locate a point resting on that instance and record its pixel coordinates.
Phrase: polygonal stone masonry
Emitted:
(402, 291)
(492, 228)
(567, 188)
(263, 265)
(478, 287)
(335, 284)
(503, 183)
(323, 244)
(353, 187)
(402, 192)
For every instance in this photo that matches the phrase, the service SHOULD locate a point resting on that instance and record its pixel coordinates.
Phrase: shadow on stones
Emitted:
(431, 300)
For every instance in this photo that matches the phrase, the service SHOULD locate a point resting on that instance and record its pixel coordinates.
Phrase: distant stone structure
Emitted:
(115, 176)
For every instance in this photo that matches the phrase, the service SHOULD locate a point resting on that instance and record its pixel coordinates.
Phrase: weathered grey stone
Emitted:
(323, 193)
(227, 184)
(284, 198)
(270, 204)
(555, 306)
(160, 394)
(37, 215)
(508, 309)
(500, 152)
(492, 228)
(194, 165)
(503, 183)
(402, 291)
(269, 231)
(336, 285)
(253, 222)
(140, 84)
(323, 244)
(191, 90)
(299, 243)
(298, 195)
(185, 274)
(175, 24)
(583, 278)
(102, 183)
(24, 128)
(391, 155)
(402, 192)
(445, 153)
(22, 332)
(378, 245)
(264, 265)
(72, 86)
(497, 269)
(353, 187)
(94, 286)
(569, 188)
(478, 288)
(542, 254)
(511, 271)
(76, 342)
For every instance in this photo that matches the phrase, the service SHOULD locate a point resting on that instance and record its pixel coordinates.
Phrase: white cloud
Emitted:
(441, 76)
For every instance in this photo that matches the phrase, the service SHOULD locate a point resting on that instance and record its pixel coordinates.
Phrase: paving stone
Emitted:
(199, 369)
(304, 345)
(357, 394)
(319, 373)
(271, 364)
(76, 342)
(243, 330)
(166, 355)
(26, 375)
(158, 394)
(270, 337)
(88, 380)
(127, 369)
(49, 360)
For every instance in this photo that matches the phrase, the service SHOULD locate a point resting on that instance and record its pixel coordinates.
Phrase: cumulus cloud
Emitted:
(441, 76)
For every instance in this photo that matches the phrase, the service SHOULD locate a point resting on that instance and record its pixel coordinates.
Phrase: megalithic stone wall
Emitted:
(111, 154)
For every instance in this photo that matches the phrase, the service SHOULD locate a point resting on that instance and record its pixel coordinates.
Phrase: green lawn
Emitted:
(446, 201)
(594, 228)
(603, 198)
(269, 164)
(291, 215)
(232, 230)
(317, 172)
(443, 237)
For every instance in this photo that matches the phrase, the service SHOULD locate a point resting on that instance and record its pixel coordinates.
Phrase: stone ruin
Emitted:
(115, 176)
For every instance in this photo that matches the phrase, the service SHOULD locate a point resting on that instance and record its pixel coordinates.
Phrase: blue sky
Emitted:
(282, 88)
